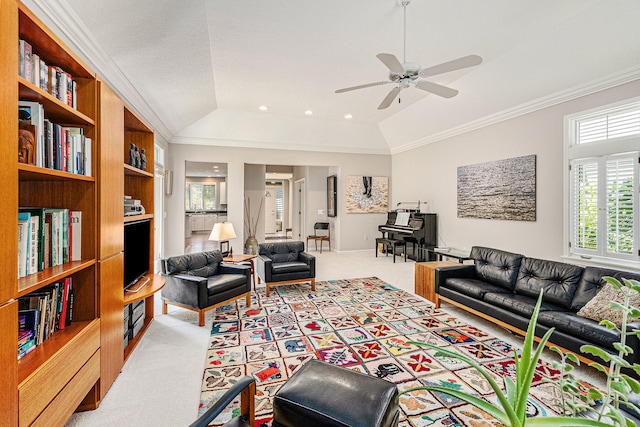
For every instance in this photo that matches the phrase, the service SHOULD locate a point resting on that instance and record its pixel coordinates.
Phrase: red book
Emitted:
(65, 302)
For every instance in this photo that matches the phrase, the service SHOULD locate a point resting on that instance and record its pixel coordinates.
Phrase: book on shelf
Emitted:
(24, 236)
(47, 237)
(66, 149)
(38, 243)
(45, 311)
(25, 64)
(27, 331)
(75, 231)
(50, 78)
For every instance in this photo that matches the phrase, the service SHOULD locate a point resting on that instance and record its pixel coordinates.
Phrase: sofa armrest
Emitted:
(184, 289)
(264, 267)
(441, 274)
(310, 260)
(245, 385)
(234, 269)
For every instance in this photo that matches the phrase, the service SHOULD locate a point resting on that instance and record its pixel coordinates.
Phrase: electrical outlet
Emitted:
(320, 211)
(366, 237)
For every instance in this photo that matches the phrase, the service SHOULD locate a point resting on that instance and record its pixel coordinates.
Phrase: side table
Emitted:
(424, 279)
(241, 259)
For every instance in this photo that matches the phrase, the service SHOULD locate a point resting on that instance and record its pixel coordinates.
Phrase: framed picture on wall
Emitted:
(332, 196)
(367, 194)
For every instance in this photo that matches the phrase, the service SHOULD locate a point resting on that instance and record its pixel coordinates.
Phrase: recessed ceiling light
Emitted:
(308, 112)
(348, 116)
(263, 108)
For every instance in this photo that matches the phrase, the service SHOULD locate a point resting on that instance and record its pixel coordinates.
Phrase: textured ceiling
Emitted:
(192, 60)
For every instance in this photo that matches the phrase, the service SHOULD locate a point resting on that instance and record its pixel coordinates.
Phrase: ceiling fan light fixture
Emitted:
(405, 74)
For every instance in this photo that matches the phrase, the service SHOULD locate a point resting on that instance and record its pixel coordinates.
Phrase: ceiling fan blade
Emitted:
(347, 89)
(456, 64)
(389, 98)
(391, 62)
(445, 92)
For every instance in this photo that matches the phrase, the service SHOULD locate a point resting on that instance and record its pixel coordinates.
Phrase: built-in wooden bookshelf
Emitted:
(139, 185)
(50, 382)
(75, 367)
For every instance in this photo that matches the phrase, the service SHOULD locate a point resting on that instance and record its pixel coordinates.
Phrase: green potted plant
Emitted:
(511, 410)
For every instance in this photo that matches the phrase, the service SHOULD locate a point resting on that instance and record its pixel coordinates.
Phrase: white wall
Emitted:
(429, 173)
(352, 228)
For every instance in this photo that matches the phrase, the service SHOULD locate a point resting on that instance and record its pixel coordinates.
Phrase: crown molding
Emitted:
(615, 79)
(236, 143)
(61, 16)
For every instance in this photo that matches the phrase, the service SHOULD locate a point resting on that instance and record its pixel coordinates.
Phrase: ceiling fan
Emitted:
(406, 74)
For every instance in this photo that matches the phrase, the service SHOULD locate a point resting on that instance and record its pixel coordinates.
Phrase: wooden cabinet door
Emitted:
(9, 363)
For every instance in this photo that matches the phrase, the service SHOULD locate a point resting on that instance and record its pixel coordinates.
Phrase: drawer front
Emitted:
(36, 392)
(66, 402)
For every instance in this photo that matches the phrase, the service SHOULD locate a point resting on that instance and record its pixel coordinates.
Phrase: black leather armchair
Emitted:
(246, 387)
(201, 282)
(281, 263)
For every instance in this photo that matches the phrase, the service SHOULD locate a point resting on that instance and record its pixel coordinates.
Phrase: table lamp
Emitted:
(222, 232)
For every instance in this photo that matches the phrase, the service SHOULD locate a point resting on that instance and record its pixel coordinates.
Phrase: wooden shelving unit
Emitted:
(76, 366)
(49, 383)
(139, 185)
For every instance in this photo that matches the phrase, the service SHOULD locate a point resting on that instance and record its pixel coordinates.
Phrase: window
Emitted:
(604, 187)
(200, 197)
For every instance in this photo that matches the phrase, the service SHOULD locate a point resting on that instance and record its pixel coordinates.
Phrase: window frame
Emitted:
(189, 203)
(599, 151)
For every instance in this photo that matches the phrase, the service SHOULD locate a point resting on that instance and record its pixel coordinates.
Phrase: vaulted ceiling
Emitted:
(198, 70)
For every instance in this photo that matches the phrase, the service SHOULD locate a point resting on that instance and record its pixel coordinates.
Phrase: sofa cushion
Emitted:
(591, 281)
(281, 251)
(495, 266)
(599, 307)
(558, 280)
(473, 287)
(201, 264)
(520, 304)
(572, 324)
(289, 267)
(223, 282)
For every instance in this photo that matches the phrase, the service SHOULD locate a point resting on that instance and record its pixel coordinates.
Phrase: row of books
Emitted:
(42, 313)
(49, 78)
(47, 237)
(62, 148)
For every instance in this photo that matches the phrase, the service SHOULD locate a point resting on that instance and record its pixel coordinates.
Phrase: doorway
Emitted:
(205, 203)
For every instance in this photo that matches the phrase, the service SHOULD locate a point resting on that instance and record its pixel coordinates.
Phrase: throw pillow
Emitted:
(599, 307)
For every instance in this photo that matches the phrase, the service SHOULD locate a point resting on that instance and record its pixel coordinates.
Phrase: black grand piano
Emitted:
(420, 233)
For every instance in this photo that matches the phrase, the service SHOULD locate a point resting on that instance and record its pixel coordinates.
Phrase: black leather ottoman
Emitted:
(323, 395)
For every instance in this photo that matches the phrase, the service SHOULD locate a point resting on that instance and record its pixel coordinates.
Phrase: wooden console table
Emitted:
(425, 281)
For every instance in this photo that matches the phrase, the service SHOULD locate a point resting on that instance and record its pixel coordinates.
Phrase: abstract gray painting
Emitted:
(503, 189)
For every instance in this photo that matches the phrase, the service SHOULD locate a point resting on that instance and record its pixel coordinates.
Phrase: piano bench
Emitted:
(391, 244)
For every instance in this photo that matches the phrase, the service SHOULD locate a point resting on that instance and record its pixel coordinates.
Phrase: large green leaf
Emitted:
(490, 409)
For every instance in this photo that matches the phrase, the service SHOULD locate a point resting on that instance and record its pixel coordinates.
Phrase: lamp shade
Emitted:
(222, 231)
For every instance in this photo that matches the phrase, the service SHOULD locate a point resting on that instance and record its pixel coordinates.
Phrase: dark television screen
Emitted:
(136, 251)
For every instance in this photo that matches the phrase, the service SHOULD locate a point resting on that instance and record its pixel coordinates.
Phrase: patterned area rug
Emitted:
(361, 324)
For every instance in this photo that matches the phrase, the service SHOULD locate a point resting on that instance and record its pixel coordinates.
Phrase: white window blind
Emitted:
(604, 211)
(618, 123)
(620, 205)
(585, 206)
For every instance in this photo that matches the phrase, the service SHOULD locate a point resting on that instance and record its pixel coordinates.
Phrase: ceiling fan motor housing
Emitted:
(411, 71)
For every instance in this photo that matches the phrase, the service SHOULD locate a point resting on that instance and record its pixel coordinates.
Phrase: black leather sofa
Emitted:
(202, 282)
(281, 263)
(503, 287)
